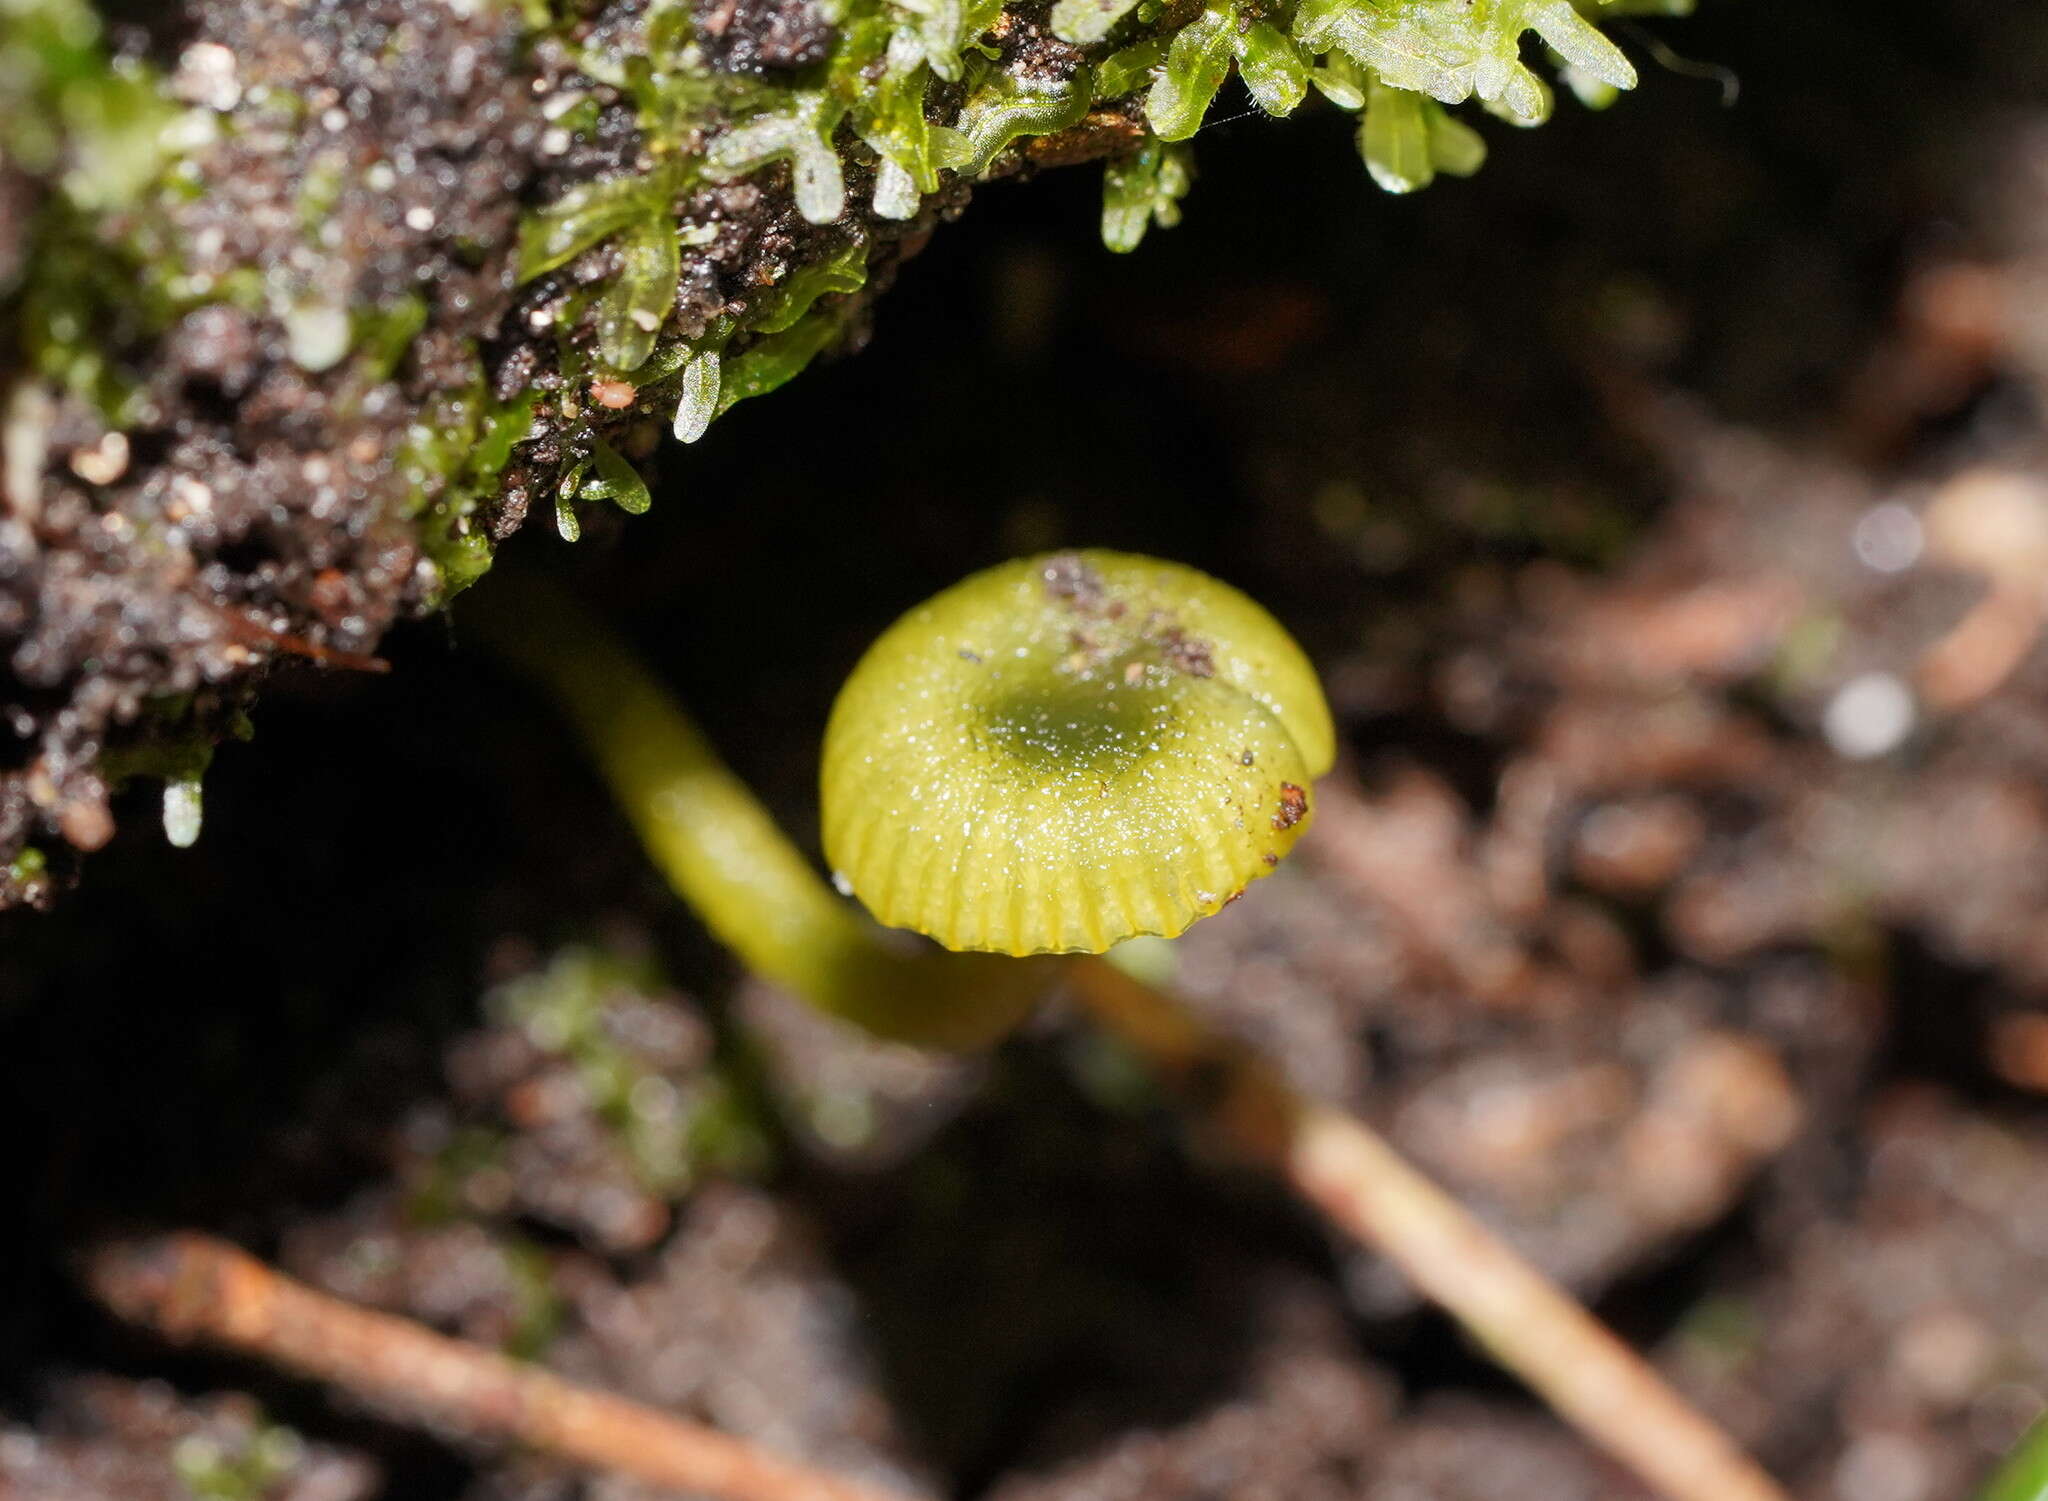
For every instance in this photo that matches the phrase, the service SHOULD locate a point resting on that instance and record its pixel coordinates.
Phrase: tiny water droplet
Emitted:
(183, 807)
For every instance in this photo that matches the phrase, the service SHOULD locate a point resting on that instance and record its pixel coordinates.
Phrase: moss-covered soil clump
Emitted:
(307, 308)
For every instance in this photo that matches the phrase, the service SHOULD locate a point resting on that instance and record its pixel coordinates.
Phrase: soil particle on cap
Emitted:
(1068, 578)
(1073, 582)
(1293, 806)
(1185, 653)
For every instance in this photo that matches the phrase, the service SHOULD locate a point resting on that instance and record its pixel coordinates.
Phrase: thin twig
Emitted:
(1529, 1324)
(193, 1287)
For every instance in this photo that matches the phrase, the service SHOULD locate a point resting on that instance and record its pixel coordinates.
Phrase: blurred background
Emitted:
(1666, 511)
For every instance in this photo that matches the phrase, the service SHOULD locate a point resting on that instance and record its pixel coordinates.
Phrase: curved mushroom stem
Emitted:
(1524, 1320)
(724, 855)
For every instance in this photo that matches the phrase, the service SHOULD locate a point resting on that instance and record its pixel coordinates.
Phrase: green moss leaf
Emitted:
(616, 481)
(116, 128)
(1454, 50)
(584, 216)
(802, 135)
(1454, 146)
(567, 522)
(382, 333)
(1580, 43)
(1005, 107)
(1393, 45)
(1130, 70)
(1341, 81)
(895, 196)
(889, 114)
(786, 305)
(641, 293)
(1394, 140)
(702, 377)
(936, 26)
(1196, 64)
(976, 17)
(1523, 99)
(501, 428)
(1084, 22)
(1273, 67)
(1143, 189)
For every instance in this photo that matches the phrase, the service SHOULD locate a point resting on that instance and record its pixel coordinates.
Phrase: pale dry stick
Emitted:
(1528, 1323)
(193, 1287)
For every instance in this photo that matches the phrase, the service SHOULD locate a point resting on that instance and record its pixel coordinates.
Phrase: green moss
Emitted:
(212, 1470)
(908, 95)
(700, 1127)
(1144, 189)
(67, 110)
(539, 1311)
(915, 89)
(1003, 108)
(450, 459)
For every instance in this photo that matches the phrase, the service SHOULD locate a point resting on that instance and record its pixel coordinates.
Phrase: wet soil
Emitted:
(1665, 510)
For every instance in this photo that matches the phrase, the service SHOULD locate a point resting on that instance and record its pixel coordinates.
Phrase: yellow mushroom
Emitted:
(1069, 750)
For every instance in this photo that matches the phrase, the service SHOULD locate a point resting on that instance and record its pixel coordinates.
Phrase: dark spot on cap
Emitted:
(1185, 653)
(1270, 859)
(1293, 806)
(1070, 579)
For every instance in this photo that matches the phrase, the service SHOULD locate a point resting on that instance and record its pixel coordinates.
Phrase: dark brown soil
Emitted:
(255, 513)
(1660, 508)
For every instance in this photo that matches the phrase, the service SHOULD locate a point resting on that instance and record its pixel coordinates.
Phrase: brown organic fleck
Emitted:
(1070, 579)
(1185, 653)
(1293, 806)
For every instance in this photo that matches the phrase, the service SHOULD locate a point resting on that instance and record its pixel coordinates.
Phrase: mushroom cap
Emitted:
(1069, 750)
